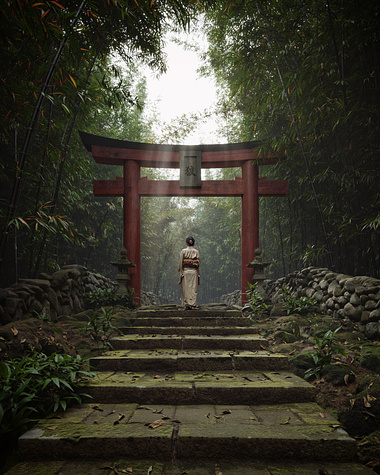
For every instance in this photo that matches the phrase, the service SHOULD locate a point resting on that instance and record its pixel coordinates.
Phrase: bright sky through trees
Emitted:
(182, 91)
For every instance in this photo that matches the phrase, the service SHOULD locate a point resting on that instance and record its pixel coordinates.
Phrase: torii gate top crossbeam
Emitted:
(117, 152)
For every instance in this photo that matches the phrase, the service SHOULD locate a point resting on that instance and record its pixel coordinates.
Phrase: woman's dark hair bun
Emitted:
(190, 239)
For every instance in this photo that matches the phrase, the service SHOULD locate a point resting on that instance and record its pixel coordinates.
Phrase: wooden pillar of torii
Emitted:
(133, 155)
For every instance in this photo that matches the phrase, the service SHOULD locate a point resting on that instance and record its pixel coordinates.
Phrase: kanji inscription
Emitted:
(190, 169)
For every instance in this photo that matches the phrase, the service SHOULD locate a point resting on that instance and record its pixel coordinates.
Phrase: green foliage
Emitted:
(105, 298)
(100, 328)
(59, 78)
(35, 385)
(256, 302)
(301, 305)
(100, 298)
(303, 76)
(325, 349)
(43, 221)
(128, 300)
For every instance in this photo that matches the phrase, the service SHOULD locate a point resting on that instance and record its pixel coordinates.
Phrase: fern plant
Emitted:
(325, 349)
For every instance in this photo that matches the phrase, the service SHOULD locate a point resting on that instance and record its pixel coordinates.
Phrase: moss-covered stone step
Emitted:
(217, 467)
(180, 312)
(194, 322)
(166, 360)
(185, 342)
(179, 330)
(161, 432)
(233, 387)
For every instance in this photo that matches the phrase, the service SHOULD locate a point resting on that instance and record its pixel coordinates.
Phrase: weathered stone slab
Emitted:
(294, 431)
(105, 431)
(184, 342)
(197, 360)
(231, 387)
(257, 441)
(189, 314)
(154, 330)
(260, 360)
(110, 467)
(188, 360)
(194, 322)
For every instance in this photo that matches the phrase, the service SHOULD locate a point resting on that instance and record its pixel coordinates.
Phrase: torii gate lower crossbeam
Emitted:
(132, 186)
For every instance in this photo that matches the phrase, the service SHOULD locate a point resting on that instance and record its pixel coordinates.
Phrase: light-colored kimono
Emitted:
(189, 277)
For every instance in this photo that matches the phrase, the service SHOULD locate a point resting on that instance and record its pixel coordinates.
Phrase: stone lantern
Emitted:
(259, 266)
(123, 264)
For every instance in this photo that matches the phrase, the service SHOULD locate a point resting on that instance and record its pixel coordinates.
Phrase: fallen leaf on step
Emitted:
(363, 442)
(157, 376)
(150, 470)
(52, 427)
(207, 415)
(368, 413)
(366, 402)
(226, 411)
(156, 424)
(322, 415)
(285, 422)
(14, 331)
(120, 417)
(252, 418)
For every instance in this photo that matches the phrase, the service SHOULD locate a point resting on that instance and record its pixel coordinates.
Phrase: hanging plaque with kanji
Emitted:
(190, 169)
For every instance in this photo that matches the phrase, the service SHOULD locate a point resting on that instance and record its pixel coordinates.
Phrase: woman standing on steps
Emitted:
(189, 264)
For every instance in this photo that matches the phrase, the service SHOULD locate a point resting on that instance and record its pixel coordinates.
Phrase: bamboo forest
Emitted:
(300, 77)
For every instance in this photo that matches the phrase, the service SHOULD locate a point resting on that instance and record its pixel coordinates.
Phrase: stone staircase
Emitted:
(191, 392)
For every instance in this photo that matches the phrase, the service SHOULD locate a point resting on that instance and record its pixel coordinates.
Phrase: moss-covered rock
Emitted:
(363, 416)
(368, 450)
(301, 363)
(285, 336)
(338, 375)
(370, 357)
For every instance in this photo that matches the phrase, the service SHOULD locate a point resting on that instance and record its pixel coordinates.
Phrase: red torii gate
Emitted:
(133, 155)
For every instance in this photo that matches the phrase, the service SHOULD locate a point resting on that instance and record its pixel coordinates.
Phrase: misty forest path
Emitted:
(191, 392)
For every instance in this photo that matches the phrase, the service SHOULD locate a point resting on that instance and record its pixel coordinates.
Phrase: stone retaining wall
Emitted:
(149, 298)
(342, 296)
(233, 298)
(61, 293)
